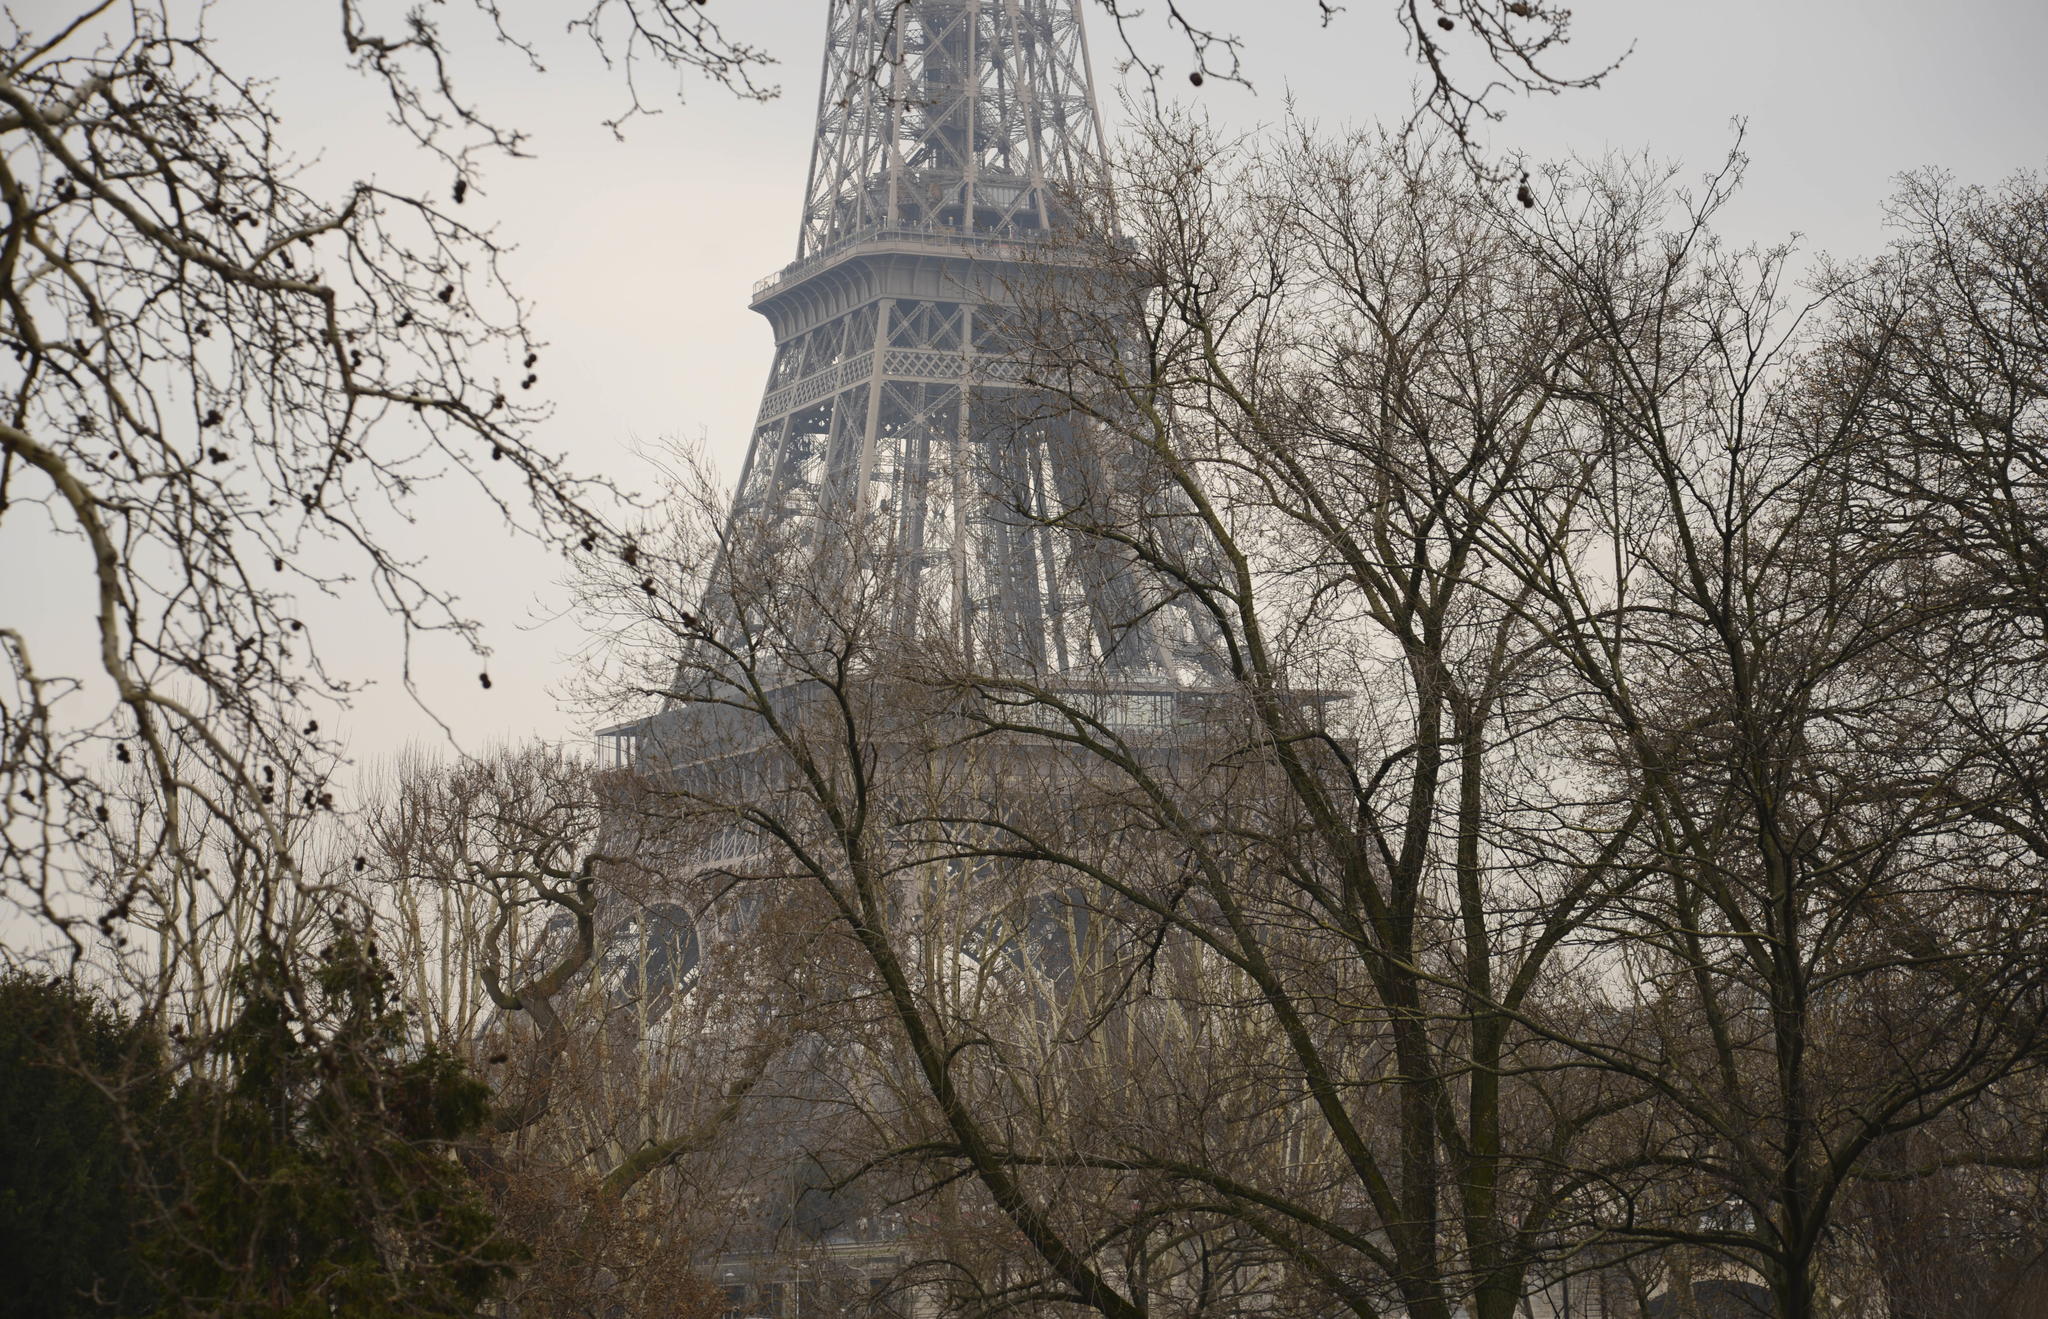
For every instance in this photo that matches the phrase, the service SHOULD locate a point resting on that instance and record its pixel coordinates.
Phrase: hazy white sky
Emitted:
(641, 255)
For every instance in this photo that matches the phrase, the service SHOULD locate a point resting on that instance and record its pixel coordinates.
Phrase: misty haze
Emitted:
(1192, 662)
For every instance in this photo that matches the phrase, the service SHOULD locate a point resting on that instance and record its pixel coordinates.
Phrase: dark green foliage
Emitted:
(69, 1067)
(317, 1172)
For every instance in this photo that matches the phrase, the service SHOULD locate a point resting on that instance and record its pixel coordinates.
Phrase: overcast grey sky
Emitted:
(641, 255)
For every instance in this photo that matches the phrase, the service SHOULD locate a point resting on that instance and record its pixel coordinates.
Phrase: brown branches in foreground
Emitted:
(1592, 844)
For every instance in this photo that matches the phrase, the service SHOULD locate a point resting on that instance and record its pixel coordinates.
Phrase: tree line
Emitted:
(1590, 846)
(1593, 841)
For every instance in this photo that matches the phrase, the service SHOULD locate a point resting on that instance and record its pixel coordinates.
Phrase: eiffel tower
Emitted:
(957, 170)
(958, 144)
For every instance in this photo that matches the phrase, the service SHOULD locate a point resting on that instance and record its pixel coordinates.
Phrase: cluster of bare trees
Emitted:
(1593, 835)
(231, 386)
(1601, 838)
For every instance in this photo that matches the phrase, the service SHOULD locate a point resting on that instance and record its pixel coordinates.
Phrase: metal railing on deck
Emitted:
(1002, 246)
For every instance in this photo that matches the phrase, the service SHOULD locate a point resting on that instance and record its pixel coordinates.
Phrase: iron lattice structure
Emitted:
(964, 114)
(958, 146)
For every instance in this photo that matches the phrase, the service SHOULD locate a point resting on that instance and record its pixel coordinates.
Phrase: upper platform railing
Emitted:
(1002, 245)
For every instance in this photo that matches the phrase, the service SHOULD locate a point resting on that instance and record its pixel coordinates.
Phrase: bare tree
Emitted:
(1836, 740)
(228, 390)
(1341, 373)
(621, 1032)
(1939, 355)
